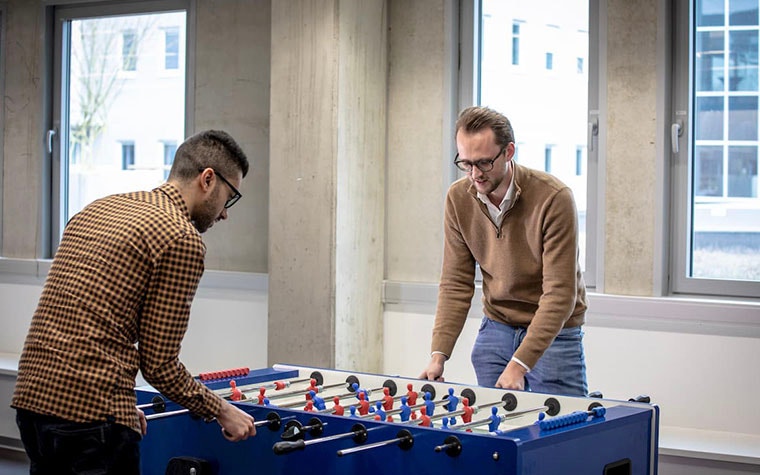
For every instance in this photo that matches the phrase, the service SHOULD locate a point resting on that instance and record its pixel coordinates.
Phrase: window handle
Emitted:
(50, 135)
(675, 132)
(593, 131)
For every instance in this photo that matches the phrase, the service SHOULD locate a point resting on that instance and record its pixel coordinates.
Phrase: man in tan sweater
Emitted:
(521, 227)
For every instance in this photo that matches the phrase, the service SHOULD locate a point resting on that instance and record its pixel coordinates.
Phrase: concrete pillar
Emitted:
(327, 182)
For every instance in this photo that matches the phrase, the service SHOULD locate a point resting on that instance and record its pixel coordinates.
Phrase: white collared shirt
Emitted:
(497, 213)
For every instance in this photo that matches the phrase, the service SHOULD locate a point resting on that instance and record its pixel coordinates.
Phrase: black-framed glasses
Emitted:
(484, 165)
(235, 197)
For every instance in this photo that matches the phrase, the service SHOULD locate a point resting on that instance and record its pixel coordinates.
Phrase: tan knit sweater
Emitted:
(531, 275)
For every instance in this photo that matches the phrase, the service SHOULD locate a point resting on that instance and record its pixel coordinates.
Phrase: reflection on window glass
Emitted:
(709, 171)
(742, 118)
(543, 108)
(725, 203)
(743, 58)
(119, 122)
(710, 54)
(742, 172)
(709, 114)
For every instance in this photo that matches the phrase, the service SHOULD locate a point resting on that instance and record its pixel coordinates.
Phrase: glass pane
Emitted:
(709, 171)
(710, 12)
(551, 34)
(743, 61)
(709, 118)
(709, 61)
(742, 172)
(742, 118)
(742, 12)
(123, 107)
(724, 206)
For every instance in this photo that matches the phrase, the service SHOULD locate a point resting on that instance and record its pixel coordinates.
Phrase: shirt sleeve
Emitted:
(163, 323)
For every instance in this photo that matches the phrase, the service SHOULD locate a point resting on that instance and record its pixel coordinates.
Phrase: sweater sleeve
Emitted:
(559, 269)
(457, 284)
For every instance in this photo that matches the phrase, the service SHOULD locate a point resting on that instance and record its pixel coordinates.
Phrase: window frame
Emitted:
(57, 95)
(2, 112)
(682, 155)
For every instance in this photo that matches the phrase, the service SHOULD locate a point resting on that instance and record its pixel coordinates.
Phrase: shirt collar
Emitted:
(507, 202)
(174, 195)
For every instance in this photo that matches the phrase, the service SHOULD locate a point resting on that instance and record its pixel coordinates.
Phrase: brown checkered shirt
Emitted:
(117, 298)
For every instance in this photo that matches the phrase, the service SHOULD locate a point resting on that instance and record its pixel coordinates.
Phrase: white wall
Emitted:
(228, 321)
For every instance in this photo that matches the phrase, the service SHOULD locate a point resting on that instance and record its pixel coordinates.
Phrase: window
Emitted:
(127, 155)
(128, 51)
(170, 148)
(95, 105)
(579, 160)
(579, 65)
(516, 43)
(171, 48)
(540, 33)
(716, 243)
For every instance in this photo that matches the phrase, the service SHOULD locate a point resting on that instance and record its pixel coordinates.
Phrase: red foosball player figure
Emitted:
(426, 422)
(363, 405)
(387, 399)
(261, 395)
(309, 406)
(236, 393)
(467, 412)
(411, 396)
(313, 386)
(338, 410)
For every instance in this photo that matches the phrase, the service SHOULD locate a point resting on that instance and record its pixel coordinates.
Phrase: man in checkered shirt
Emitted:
(117, 300)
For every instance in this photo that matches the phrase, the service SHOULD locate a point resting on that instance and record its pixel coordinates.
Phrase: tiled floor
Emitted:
(13, 462)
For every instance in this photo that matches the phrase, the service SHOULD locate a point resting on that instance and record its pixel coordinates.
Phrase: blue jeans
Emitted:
(561, 370)
(57, 446)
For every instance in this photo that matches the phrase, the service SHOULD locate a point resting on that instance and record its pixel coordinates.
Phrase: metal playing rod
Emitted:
(404, 438)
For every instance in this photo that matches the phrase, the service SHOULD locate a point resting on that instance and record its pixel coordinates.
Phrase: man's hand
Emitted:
(513, 377)
(143, 422)
(434, 370)
(236, 424)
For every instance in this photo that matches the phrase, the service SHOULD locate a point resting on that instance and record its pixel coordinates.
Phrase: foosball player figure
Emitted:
(363, 404)
(411, 396)
(493, 426)
(338, 410)
(352, 410)
(309, 406)
(261, 395)
(379, 412)
(426, 422)
(387, 399)
(429, 405)
(237, 395)
(406, 411)
(453, 401)
(313, 385)
(319, 403)
(467, 411)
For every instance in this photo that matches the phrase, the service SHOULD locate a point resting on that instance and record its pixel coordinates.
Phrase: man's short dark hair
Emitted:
(208, 149)
(476, 118)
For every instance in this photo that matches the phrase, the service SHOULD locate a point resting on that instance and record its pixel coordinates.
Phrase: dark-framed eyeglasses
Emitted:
(236, 194)
(484, 165)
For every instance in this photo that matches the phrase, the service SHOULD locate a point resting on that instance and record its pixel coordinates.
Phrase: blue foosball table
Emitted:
(323, 421)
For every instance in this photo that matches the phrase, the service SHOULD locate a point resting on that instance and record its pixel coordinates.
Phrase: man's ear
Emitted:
(205, 178)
